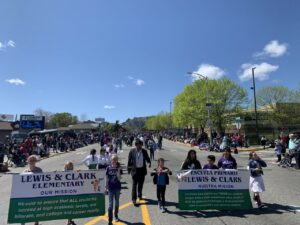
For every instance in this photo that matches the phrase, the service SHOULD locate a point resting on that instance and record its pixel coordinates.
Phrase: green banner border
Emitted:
(211, 201)
(13, 208)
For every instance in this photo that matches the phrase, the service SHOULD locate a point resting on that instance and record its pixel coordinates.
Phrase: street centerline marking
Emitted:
(145, 213)
(105, 217)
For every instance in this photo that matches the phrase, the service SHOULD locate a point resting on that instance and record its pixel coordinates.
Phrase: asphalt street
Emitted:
(282, 198)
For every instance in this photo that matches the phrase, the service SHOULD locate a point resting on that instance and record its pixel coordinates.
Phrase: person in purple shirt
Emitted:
(227, 161)
(113, 187)
(210, 163)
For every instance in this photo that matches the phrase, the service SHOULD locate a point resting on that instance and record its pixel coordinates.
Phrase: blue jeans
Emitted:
(113, 194)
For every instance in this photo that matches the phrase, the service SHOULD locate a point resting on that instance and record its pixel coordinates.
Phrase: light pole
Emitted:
(255, 106)
(171, 116)
(208, 105)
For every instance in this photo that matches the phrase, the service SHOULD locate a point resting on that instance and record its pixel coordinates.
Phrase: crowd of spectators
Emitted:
(41, 145)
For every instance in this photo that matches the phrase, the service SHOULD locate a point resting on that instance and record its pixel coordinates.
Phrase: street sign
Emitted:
(209, 105)
(32, 122)
(31, 118)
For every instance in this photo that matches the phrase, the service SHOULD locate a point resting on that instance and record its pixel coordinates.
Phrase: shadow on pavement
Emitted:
(155, 202)
(268, 208)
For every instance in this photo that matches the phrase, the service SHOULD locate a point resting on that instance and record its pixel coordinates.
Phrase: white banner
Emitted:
(29, 185)
(213, 179)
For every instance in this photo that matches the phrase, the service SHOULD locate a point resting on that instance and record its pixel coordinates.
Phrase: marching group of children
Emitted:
(108, 160)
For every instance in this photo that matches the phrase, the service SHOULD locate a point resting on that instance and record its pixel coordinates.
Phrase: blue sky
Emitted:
(121, 59)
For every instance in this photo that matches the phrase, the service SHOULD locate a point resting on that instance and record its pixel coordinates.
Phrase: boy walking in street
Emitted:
(161, 179)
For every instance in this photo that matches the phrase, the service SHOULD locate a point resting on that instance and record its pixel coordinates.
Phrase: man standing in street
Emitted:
(136, 166)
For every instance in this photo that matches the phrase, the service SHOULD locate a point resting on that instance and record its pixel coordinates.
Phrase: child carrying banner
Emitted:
(113, 187)
(255, 165)
(191, 162)
(227, 161)
(210, 163)
(161, 179)
(32, 168)
(69, 167)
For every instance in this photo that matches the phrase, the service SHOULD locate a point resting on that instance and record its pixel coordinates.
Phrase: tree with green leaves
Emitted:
(63, 119)
(281, 103)
(227, 98)
(190, 106)
(162, 121)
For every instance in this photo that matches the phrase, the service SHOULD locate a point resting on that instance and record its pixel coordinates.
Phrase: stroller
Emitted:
(287, 160)
(288, 157)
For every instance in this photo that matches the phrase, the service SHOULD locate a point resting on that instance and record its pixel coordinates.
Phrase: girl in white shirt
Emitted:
(103, 160)
(91, 161)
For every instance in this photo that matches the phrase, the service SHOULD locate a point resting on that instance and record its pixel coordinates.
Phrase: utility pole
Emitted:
(255, 106)
(171, 123)
(208, 105)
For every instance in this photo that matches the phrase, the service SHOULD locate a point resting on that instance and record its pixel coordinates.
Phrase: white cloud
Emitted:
(273, 49)
(209, 71)
(11, 43)
(139, 82)
(119, 85)
(109, 107)
(262, 71)
(16, 81)
(5, 45)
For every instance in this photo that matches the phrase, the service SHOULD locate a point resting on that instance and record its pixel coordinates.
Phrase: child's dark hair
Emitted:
(160, 160)
(212, 158)
(93, 152)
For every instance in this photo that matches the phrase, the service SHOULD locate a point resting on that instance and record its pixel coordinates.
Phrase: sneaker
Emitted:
(159, 205)
(134, 203)
(259, 205)
(163, 210)
(117, 219)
